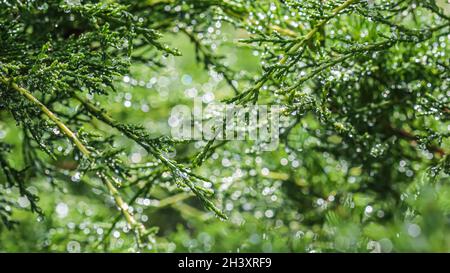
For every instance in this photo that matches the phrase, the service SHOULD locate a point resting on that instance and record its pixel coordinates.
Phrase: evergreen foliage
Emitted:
(363, 84)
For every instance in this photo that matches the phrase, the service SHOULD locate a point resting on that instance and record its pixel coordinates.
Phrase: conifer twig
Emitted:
(138, 227)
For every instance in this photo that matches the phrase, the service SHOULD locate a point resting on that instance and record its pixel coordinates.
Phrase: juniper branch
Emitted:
(138, 227)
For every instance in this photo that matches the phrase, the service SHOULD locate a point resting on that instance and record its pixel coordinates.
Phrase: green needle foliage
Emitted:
(363, 158)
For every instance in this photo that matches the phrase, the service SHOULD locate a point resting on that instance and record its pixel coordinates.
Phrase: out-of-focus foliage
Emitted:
(87, 162)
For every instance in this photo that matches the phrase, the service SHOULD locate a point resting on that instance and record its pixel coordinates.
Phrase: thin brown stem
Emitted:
(140, 229)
